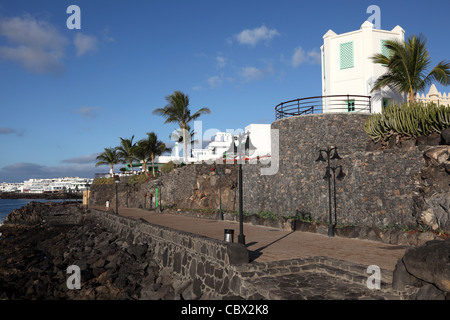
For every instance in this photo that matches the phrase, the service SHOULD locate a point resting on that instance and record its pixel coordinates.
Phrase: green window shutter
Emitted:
(384, 50)
(385, 103)
(351, 105)
(346, 55)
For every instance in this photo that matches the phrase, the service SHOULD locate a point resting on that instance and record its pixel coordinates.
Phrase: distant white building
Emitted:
(347, 67)
(220, 143)
(10, 187)
(54, 185)
(434, 96)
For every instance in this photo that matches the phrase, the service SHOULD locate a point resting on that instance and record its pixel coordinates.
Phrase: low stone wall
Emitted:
(206, 264)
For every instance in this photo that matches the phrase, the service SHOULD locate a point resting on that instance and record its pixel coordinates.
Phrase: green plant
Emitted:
(167, 167)
(103, 181)
(408, 120)
(266, 214)
(139, 179)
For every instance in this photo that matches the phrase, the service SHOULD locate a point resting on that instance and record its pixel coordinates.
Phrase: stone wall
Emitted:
(193, 186)
(377, 189)
(206, 264)
(382, 188)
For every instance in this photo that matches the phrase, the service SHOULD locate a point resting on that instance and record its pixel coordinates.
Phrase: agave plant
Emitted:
(410, 120)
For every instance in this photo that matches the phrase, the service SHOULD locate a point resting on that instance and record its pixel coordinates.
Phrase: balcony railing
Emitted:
(323, 104)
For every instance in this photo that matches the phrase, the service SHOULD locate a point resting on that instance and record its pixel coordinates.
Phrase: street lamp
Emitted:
(220, 173)
(158, 198)
(117, 180)
(241, 147)
(327, 176)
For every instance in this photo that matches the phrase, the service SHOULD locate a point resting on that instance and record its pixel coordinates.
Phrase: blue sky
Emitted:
(65, 95)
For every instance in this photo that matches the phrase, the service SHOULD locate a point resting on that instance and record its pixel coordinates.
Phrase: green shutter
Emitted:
(351, 105)
(384, 50)
(346, 55)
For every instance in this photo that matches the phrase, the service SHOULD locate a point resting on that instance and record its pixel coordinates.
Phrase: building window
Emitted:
(346, 55)
(351, 105)
(385, 103)
(384, 50)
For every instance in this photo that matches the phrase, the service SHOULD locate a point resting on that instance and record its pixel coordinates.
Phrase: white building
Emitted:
(10, 187)
(434, 96)
(347, 67)
(54, 185)
(220, 143)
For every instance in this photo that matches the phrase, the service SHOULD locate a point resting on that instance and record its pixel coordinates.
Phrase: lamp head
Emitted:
(327, 174)
(341, 174)
(335, 155)
(320, 158)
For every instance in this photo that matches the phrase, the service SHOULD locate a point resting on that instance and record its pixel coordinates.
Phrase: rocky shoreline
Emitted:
(48, 196)
(35, 256)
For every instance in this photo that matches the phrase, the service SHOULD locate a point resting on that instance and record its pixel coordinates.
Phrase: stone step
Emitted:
(263, 276)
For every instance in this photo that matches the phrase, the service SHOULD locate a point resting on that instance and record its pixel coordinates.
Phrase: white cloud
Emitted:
(85, 44)
(90, 158)
(37, 45)
(214, 81)
(300, 56)
(253, 36)
(252, 73)
(221, 61)
(314, 56)
(88, 112)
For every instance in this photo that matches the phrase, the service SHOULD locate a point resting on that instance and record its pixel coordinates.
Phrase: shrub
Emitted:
(168, 167)
(409, 120)
(102, 181)
(139, 178)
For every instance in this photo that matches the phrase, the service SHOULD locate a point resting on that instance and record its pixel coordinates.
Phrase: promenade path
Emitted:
(268, 244)
(279, 250)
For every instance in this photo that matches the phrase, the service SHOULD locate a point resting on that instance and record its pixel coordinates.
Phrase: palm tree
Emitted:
(177, 135)
(110, 157)
(141, 153)
(126, 151)
(177, 111)
(407, 64)
(154, 147)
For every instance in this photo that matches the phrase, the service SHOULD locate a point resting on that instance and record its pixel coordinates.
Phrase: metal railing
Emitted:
(323, 104)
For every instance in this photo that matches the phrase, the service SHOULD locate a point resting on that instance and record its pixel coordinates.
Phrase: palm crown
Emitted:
(109, 156)
(177, 111)
(407, 64)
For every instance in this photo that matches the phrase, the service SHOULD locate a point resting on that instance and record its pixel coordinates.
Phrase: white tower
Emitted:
(347, 67)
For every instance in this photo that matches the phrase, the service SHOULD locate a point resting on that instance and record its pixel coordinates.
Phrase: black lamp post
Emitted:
(243, 148)
(220, 173)
(327, 176)
(159, 184)
(117, 180)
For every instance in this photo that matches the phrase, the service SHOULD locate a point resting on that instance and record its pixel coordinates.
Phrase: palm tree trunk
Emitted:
(112, 169)
(184, 144)
(153, 165)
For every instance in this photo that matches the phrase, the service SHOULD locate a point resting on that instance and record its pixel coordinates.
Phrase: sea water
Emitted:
(9, 205)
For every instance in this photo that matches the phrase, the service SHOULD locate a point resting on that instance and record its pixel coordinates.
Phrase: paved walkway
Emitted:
(269, 244)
